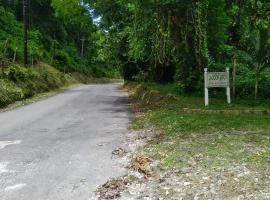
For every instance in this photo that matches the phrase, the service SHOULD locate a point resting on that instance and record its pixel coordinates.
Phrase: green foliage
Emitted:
(61, 58)
(165, 89)
(17, 73)
(265, 83)
(149, 41)
(55, 32)
(9, 93)
(172, 41)
(245, 80)
(11, 37)
(217, 36)
(17, 83)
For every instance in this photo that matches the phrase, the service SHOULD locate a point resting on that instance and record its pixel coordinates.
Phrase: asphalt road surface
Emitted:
(60, 148)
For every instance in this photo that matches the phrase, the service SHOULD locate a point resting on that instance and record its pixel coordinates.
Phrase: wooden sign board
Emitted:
(218, 80)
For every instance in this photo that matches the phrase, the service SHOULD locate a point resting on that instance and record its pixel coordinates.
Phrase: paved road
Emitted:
(60, 148)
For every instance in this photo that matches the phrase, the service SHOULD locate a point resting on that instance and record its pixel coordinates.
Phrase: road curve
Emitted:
(60, 148)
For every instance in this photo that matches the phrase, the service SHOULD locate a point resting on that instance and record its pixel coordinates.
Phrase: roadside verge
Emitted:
(175, 154)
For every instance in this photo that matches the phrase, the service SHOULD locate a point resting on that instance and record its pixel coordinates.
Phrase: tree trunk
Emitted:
(257, 81)
(234, 77)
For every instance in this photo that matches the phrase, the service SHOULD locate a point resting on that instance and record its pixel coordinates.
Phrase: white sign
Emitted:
(217, 79)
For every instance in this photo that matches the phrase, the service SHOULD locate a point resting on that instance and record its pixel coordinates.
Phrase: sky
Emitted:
(96, 19)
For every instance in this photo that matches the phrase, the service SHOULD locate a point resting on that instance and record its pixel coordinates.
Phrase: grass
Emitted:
(164, 89)
(213, 135)
(236, 146)
(173, 123)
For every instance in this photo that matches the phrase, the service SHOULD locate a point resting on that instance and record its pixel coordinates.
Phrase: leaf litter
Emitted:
(112, 188)
(142, 164)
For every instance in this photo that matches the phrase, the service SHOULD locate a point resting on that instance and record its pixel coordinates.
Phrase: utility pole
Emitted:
(83, 40)
(82, 51)
(25, 25)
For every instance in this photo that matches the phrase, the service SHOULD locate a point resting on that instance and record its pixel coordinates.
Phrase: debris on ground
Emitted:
(119, 152)
(112, 189)
(138, 110)
(142, 164)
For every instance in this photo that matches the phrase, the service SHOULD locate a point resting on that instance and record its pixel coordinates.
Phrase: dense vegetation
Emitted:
(164, 41)
(173, 40)
(56, 30)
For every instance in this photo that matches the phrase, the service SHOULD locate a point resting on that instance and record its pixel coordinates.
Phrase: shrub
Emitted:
(17, 73)
(62, 59)
(19, 82)
(9, 93)
(264, 86)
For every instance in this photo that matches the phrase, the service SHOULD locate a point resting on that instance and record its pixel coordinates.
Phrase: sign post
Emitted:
(218, 80)
(206, 91)
(228, 86)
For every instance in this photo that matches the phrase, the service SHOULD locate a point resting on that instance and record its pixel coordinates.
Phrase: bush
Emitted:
(18, 82)
(9, 93)
(17, 73)
(264, 85)
(62, 59)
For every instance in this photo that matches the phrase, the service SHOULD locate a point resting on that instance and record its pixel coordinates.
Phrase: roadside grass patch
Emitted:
(138, 123)
(222, 139)
(174, 123)
(216, 155)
